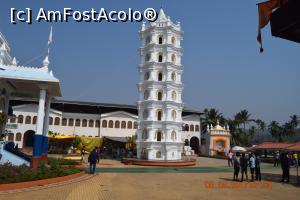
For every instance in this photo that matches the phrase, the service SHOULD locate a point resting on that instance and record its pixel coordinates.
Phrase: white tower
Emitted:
(160, 88)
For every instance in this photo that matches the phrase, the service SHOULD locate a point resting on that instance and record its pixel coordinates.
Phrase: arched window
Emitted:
(97, 124)
(159, 76)
(174, 114)
(135, 125)
(91, 123)
(51, 121)
(197, 128)
(71, 122)
(77, 122)
(147, 58)
(34, 119)
(18, 137)
(27, 120)
(56, 121)
(173, 135)
(159, 95)
(160, 57)
(129, 125)
(148, 40)
(20, 119)
(186, 127)
(104, 124)
(173, 58)
(84, 123)
(158, 136)
(145, 134)
(123, 124)
(146, 94)
(158, 154)
(146, 76)
(10, 137)
(191, 127)
(145, 114)
(160, 39)
(159, 115)
(64, 122)
(117, 124)
(173, 76)
(110, 124)
(174, 96)
(173, 40)
(13, 119)
(183, 128)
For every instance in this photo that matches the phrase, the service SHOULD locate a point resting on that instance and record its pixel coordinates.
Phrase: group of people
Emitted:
(293, 159)
(241, 163)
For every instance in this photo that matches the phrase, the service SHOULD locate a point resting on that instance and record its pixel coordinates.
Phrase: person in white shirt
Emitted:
(252, 165)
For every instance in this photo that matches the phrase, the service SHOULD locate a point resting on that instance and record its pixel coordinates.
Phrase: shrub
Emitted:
(13, 174)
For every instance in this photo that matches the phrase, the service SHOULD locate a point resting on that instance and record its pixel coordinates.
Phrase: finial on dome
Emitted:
(208, 128)
(14, 61)
(46, 62)
(218, 122)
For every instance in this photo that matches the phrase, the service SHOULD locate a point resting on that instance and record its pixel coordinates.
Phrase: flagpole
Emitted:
(50, 41)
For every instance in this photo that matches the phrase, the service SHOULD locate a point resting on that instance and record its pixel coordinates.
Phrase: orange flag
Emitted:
(264, 13)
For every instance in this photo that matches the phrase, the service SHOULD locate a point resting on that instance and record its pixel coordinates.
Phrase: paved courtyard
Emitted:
(164, 184)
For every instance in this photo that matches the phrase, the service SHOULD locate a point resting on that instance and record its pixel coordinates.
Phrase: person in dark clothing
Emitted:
(257, 167)
(236, 166)
(244, 165)
(285, 166)
(92, 159)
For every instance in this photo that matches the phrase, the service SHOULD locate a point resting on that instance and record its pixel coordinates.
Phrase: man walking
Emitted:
(244, 165)
(92, 159)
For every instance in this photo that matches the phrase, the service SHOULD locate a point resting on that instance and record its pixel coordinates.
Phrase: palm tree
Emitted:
(232, 124)
(211, 116)
(294, 120)
(243, 117)
(261, 124)
(275, 130)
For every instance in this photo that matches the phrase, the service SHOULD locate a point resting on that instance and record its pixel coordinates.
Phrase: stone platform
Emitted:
(163, 163)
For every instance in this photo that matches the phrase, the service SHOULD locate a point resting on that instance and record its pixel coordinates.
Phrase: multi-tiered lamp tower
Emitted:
(160, 88)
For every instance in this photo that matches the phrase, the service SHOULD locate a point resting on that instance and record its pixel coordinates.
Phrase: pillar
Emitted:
(46, 127)
(38, 137)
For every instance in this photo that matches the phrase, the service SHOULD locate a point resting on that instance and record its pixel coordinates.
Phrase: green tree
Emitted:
(242, 117)
(276, 130)
(211, 116)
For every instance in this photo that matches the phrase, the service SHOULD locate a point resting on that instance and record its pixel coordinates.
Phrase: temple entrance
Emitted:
(194, 143)
(28, 139)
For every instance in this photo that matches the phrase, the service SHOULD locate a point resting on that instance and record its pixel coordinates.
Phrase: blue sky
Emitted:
(223, 68)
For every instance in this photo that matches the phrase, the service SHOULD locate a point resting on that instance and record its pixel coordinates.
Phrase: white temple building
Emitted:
(34, 83)
(160, 88)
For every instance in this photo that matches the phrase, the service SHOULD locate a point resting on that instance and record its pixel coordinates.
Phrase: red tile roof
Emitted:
(273, 145)
(294, 147)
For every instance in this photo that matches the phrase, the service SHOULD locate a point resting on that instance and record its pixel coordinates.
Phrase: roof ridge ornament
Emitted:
(14, 61)
(3, 47)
